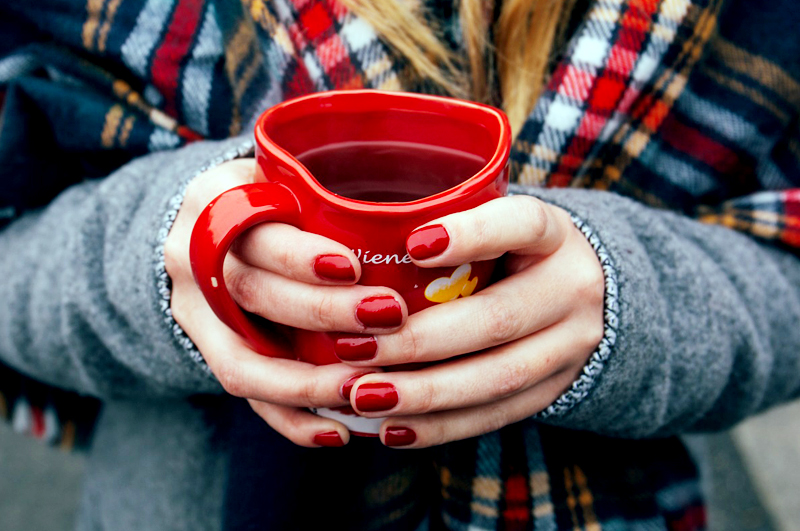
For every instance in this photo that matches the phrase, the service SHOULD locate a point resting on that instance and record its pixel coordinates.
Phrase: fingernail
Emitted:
(347, 387)
(399, 437)
(377, 396)
(331, 439)
(353, 347)
(379, 312)
(334, 267)
(427, 242)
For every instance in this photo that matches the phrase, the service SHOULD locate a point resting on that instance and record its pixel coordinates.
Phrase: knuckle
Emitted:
(230, 376)
(435, 433)
(284, 259)
(316, 389)
(591, 336)
(293, 428)
(512, 376)
(175, 252)
(245, 287)
(496, 417)
(426, 396)
(263, 243)
(482, 231)
(590, 292)
(241, 243)
(500, 323)
(589, 283)
(410, 344)
(534, 215)
(312, 391)
(324, 312)
(179, 305)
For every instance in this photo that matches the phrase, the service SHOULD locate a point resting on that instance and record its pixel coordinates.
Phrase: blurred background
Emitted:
(752, 475)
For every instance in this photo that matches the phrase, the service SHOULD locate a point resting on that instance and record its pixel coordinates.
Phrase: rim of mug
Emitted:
(487, 174)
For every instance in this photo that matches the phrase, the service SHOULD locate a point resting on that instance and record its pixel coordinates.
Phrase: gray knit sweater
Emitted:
(702, 331)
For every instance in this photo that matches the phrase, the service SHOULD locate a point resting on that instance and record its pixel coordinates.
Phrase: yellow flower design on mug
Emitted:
(458, 284)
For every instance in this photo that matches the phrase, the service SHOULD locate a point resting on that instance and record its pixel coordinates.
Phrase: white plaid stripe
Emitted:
(591, 51)
(199, 71)
(589, 54)
(162, 139)
(148, 30)
(565, 110)
(315, 71)
(357, 34)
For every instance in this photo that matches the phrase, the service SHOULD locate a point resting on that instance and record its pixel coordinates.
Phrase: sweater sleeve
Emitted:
(83, 309)
(701, 322)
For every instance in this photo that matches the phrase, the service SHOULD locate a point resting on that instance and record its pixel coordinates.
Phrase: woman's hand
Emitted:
(528, 336)
(287, 276)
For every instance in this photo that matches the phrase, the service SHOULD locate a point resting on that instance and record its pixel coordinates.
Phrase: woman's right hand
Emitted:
(287, 276)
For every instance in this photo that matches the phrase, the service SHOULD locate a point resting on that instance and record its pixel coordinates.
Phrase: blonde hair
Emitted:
(526, 32)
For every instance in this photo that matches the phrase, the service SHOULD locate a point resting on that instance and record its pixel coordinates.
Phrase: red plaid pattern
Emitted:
(598, 78)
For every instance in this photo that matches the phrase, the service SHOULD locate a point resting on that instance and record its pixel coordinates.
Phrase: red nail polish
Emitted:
(427, 242)
(353, 347)
(347, 387)
(399, 437)
(331, 439)
(377, 396)
(380, 312)
(334, 267)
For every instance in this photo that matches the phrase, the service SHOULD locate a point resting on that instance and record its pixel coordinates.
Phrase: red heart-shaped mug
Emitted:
(364, 168)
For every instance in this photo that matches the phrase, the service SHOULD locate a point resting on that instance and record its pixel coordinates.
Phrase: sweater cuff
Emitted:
(164, 282)
(581, 387)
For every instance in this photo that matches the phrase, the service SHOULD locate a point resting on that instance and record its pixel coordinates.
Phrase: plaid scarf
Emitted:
(688, 105)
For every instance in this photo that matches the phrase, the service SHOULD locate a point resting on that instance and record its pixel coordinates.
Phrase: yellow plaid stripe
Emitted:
(581, 507)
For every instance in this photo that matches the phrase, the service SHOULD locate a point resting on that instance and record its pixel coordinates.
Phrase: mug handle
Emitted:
(226, 217)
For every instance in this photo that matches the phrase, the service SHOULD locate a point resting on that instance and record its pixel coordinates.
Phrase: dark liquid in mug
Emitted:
(389, 172)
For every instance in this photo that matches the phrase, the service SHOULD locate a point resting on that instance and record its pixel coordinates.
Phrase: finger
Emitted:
(320, 308)
(520, 224)
(302, 427)
(243, 373)
(481, 378)
(433, 429)
(292, 253)
(570, 283)
(506, 311)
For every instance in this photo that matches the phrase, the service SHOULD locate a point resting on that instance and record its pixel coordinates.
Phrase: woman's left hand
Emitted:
(502, 354)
